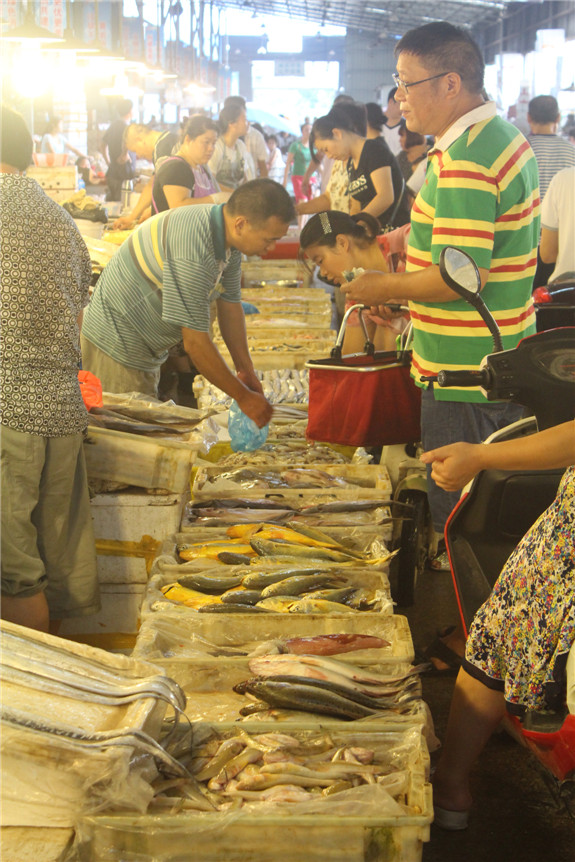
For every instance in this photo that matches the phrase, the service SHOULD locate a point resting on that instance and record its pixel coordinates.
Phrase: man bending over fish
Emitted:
(156, 291)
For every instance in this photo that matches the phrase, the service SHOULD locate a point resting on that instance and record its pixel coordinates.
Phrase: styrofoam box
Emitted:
(55, 178)
(232, 629)
(120, 612)
(45, 776)
(133, 459)
(127, 517)
(272, 835)
(34, 844)
(374, 478)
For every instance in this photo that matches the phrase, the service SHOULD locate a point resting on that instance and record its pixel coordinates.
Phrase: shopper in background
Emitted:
(553, 153)
(393, 124)
(337, 243)
(48, 548)
(121, 163)
(275, 163)
(558, 224)
(157, 291)
(297, 161)
(231, 163)
(154, 146)
(520, 638)
(254, 140)
(375, 181)
(440, 88)
(414, 149)
(53, 141)
(184, 178)
(376, 120)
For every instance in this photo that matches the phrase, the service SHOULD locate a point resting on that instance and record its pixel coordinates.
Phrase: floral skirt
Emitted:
(521, 636)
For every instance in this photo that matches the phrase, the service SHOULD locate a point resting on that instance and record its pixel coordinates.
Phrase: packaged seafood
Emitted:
(73, 717)
(342, 482)
(133, 459)
(367, 824)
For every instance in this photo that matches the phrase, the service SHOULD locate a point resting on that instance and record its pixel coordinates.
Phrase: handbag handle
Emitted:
(368, 348)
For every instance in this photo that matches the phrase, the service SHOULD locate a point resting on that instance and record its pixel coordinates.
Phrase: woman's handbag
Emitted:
(364, 399)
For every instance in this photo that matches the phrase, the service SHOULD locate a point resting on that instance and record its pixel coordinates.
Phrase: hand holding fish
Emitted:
(370, 288)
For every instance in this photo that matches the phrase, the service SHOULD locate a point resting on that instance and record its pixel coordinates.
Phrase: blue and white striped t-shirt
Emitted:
(162, 278)
(553, 154)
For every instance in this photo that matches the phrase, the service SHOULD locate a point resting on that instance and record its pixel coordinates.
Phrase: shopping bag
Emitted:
(365, 399)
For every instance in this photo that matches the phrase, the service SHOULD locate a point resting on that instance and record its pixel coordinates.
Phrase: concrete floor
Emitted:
(517, 815)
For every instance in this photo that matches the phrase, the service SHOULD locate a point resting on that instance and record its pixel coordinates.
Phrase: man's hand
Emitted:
(251, 380)
(123, 223)
(366, 288)
(256, 406)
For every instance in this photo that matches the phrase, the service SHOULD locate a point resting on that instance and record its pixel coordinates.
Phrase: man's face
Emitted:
(420, 105)
(259, 238)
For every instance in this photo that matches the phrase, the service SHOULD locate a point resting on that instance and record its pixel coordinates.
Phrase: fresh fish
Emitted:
(233, 767)
(281, 695)
(260, 580)
(277, 604)
(229, 608)
(233, 559)
(243, 597)
(298, 584)
(346, 506)
(267, 548)
(211, 550)
(276, 793)
(310, 478)
(340, 596)
(342, 690)
(308, 605)
(189, 598)
(227, 750)
(333, 644)
(210, 584)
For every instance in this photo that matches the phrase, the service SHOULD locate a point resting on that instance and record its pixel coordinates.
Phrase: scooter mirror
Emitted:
(459, 271)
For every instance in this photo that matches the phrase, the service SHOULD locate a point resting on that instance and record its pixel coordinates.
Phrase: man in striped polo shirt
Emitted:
(553, 153)
(157, 289)
(480, 194)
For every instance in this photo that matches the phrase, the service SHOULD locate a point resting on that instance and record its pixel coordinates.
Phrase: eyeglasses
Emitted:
(404, 86)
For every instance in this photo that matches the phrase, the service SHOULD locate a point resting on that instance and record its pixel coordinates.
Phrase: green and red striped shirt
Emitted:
(481, 194)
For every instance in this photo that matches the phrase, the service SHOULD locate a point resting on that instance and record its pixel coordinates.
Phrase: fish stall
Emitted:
(260, 607)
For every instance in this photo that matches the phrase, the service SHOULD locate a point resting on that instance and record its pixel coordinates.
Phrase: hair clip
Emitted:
(324, 219)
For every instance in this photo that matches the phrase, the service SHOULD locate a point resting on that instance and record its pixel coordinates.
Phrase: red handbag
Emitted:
(364, 399)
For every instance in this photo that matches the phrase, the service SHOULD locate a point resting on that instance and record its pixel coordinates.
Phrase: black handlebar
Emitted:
(461, 378)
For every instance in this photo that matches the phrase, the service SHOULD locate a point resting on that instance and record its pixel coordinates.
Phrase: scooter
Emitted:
(498, 507)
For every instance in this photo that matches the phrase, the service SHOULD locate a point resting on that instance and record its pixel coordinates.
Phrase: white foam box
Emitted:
(273, 834)
(34, 844)
(55, 178)
(372, 480)
(120, 612)
(127, 518)
(132, 459)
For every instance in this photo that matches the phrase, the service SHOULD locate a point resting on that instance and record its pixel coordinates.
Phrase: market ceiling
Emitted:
(382, 17)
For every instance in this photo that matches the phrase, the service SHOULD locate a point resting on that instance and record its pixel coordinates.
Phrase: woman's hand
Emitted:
(453, 466)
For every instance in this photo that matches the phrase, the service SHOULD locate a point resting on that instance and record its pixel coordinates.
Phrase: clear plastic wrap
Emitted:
(383, 822)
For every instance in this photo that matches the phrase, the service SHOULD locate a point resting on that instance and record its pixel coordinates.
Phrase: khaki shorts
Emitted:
(114, 376)
(47, 534)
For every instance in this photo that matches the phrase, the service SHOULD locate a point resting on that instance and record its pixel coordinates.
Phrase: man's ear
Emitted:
(454, 85)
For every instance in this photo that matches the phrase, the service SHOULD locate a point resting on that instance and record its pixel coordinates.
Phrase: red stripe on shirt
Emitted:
(520, 215)
(418, 261)
(512, 161)
(471, 324)
(515, 267)
(447, 231)
(470, 175)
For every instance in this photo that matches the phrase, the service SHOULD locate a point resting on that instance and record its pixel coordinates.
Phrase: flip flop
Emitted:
(438, 649)
(452, 821)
